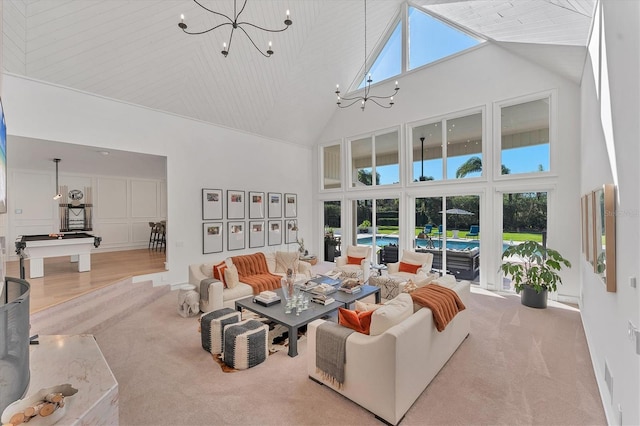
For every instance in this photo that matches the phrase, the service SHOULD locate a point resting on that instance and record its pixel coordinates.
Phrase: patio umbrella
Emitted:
(458, 211)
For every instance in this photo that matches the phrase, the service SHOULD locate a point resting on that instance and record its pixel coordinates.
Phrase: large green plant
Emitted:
(537, 266)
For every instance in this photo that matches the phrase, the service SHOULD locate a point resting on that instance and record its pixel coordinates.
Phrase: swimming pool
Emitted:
(384, 240)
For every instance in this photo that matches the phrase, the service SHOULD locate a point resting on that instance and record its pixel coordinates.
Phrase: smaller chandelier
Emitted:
(368, 80)
(236, 25)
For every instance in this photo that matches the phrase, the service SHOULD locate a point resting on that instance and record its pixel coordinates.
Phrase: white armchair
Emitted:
(356, 262)
(410, 262)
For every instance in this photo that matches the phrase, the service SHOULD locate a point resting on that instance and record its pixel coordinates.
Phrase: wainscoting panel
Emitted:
(141, 231)
(113, 233)
(144, 198)
(111, 202)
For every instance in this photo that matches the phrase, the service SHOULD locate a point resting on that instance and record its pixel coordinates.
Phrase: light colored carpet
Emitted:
(518, 366)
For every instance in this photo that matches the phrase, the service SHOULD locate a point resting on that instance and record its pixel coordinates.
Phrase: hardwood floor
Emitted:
(62, 281)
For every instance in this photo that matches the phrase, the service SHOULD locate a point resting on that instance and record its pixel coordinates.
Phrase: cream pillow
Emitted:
(364, 306)
(207, 269)
(448, 281)
(391, 313)
(271, 261)
(286, 260)
(231, 276)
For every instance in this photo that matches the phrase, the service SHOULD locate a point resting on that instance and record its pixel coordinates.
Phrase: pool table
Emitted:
(36, 247)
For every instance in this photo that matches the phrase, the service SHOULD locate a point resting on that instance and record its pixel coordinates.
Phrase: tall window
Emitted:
(383, 148)
(458, 140)
(524, 130)
(331, 166)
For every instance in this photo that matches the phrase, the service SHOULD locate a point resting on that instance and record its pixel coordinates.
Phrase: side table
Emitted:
(379, 268)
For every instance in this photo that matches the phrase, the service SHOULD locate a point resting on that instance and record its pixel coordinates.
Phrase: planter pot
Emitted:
(329, 252)
(529, 297)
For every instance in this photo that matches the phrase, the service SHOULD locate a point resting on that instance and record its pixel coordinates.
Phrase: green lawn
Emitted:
(507, 236)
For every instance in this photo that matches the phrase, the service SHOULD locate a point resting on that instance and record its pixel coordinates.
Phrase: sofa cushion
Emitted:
(286, 260)
(271, 261)
(358, 321)
(207, 269)
(391, 313)
(237, 292)
(364, 306)
(218, 272)
(448, 281)
(414, 258)
(231, 278)
(358, 251)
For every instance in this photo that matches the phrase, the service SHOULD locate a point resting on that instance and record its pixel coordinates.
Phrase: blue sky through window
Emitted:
(389, 61)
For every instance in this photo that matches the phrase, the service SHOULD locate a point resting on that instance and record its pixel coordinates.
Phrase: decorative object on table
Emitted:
(274, 208)
(275, 232)
(366, 96)
(212, 237)
(290, 205)
(323, 289)
(235, 204)
(256, 234)
(236, 24)
(211, 204)
(267, 298)
(534, 271)
(235, 235)
(45, 407)
(256, 205)
(350, 286)
(291, 234)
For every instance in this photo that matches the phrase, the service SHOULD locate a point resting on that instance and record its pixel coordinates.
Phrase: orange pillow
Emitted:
(354, 260)
(409, 267)
(358, 321)
(218, 272)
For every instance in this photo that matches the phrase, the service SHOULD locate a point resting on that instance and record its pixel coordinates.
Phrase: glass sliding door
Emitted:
(524, 217)
(332, 230)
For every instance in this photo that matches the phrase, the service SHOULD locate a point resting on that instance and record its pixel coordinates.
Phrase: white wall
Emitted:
(610, 154)
(199, 155)
(480, 78)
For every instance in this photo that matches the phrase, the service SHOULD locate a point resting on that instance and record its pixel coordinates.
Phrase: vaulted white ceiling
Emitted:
(133, 50)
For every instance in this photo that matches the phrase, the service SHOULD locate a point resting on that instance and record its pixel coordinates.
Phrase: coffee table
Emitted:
(347, 299)
(292, 321)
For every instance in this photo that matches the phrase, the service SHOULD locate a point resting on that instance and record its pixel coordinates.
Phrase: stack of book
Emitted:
(322, 299)
(323, 289)
(351, 286)
(267, 298)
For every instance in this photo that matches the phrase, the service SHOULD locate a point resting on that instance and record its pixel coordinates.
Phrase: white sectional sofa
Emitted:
(218, 296)
(386, 373)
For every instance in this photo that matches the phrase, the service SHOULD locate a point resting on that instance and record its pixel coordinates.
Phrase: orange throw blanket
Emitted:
(443, 302)
(253, 270)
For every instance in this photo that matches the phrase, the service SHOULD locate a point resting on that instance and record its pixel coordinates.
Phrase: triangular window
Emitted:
(431, 39)
(389, 61)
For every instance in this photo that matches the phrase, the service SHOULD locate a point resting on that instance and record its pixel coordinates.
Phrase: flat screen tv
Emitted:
(3, 162)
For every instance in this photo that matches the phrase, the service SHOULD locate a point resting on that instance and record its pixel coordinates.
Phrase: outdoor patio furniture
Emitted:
(474, 231)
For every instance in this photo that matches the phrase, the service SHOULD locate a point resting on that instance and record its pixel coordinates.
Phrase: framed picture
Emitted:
(235, 204)
(235, 235)
(275, 204)
(275, 232)
(256, 234)
(211, 237)
(291, 233)
(211, 204)
(256, 205)
(290, 205)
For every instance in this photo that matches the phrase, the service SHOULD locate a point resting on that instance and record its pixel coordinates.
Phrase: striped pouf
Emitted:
(245, 344)
(212, 326)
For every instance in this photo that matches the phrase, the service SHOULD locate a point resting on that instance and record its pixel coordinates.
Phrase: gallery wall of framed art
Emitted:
(235, 219)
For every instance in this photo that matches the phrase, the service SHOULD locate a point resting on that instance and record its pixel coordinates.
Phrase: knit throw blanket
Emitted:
(443, 302)
(253, 270)
(331, 354)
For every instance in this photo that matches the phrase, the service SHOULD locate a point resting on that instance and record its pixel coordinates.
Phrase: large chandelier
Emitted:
(368, 80)
(236, 25)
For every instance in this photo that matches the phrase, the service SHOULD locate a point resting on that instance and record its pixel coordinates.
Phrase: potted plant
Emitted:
(364, 227)
(534, 270)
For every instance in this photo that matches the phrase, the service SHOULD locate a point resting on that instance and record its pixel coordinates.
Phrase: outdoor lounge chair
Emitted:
(428, 229)
(474, 231)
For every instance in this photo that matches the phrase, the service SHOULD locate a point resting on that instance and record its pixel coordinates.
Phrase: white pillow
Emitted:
(231, 276)
(271, 261)
(286, 260)
(414, 258)
(364, 306)
(391, 313)
(207, 269)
